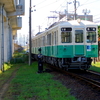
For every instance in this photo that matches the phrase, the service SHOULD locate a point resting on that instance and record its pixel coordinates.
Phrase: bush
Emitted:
(19, 58)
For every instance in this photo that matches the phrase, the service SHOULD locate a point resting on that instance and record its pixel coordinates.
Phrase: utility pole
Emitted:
(30, 33)
(75, 9)
(2, 45)
(67, 10)
(39, 27)
(85, 11)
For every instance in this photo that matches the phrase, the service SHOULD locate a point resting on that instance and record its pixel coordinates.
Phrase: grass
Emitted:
(95, 67)
(28, 85)
(4, 76)
(21, 57)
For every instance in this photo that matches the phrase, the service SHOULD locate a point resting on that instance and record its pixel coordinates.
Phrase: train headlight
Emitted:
(83, 59)
(78, 20)
(64, 29)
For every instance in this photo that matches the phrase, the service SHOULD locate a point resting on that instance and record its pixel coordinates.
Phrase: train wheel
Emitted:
(60, 63)
(56, 62)
(53, 61)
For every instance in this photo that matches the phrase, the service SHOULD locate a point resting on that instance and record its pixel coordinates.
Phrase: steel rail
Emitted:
(92, 82)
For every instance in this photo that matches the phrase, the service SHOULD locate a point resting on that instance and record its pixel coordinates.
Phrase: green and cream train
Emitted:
(68, 44)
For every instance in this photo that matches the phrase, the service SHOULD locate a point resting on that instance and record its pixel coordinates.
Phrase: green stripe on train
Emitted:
(68, 51)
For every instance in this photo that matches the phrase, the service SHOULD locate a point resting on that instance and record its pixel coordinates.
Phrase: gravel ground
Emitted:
(79, 89)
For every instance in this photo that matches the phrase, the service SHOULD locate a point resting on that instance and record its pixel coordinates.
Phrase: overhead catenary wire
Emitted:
(46, 5)
(41, 2)
(87, 3)
(58, 7)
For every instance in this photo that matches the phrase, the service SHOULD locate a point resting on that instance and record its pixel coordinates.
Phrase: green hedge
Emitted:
(19, 58)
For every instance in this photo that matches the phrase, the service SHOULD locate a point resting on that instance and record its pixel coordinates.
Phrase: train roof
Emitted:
(81, 22)
(77, 22)
(71, 23)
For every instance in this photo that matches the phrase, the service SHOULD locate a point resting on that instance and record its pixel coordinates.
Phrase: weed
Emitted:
(95, 67)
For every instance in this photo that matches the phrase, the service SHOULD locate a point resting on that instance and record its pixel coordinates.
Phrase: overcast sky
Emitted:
(43, 11)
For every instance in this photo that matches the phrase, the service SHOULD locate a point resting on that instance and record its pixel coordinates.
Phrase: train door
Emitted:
(79, 47)
(55, 43)
(52, 43)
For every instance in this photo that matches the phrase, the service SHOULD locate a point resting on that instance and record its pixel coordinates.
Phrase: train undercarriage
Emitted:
(81, 63)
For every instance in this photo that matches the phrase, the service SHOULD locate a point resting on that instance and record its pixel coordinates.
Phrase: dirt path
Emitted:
(6, 84)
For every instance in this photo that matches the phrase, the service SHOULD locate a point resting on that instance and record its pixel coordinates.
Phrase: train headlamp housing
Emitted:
(79, 59)
(78, 20)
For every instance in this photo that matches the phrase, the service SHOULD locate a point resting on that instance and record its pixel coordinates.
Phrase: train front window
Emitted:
(91, 37)
(66, 37)
(78, 36)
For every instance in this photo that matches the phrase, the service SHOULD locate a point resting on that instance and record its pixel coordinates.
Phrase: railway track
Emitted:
(92, 78)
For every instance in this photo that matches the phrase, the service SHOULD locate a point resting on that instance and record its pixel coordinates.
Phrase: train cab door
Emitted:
(79, 44)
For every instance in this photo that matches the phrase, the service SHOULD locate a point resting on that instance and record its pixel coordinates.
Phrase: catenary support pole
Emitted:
(75, 9)
(30, 33)
(2, 44)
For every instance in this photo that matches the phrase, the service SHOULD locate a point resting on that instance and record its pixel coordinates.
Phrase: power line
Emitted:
(60, 6)
(39, 27)
(30, 33)
(97, 15)
(88, 3)
(41, 2)
(47, 5)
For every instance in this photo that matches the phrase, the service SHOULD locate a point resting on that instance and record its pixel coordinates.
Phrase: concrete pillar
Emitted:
(1, 37)
(6, 41)
(10, 42)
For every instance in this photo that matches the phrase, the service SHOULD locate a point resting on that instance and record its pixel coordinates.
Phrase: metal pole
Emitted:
(30, 33)
(2, 44)
(67, 11)
(75, 9)
(85, 11)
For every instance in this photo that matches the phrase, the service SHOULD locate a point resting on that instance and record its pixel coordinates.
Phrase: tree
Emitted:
(98, 31)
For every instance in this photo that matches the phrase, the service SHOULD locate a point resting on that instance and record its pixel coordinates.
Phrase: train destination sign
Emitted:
(91, 29)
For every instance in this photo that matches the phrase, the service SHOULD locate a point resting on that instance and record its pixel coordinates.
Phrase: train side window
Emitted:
(49, 39)
(39, 42)
(43, 40)
(33, 45)
(78, 36)
(52, 38)
(55, 38)
(36, 42)
(66, 37)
